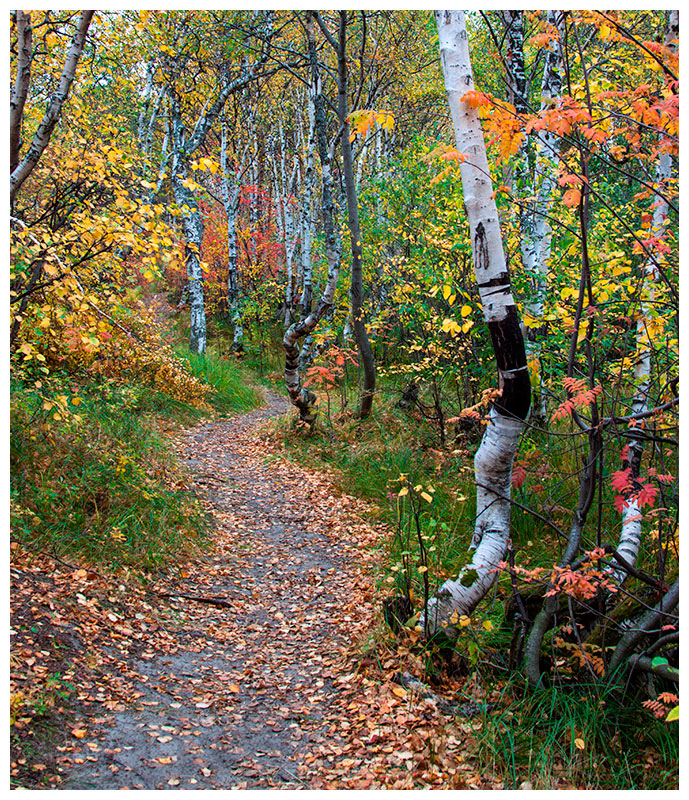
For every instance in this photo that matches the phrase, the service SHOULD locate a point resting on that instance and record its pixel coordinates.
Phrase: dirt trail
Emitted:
(238, 700)
(264, 689)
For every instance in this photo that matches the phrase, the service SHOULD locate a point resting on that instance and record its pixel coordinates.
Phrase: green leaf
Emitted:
(659, 661)
(673, 716)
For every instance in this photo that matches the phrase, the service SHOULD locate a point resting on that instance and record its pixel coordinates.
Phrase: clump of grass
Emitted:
(95, 479)
(231, 388)
(591, 735)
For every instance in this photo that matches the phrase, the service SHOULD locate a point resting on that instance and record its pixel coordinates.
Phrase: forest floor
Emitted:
(251, 667)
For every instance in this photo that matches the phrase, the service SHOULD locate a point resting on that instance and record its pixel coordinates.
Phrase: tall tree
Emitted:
(495, 456)
(20, 169)
(356, 291)
(300, 396)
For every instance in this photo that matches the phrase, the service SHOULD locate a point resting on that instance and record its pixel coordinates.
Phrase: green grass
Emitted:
(232, 389)
(94, 477)
(592, 734)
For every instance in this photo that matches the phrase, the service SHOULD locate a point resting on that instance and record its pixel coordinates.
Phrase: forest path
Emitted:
(263, 691)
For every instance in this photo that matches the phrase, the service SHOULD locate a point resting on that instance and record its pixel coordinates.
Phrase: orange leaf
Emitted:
(571, 197)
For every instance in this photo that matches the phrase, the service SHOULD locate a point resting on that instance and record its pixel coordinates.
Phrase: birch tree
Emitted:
(301, 397)
(494, 458)
(231, 186)
(21, 168)
(630, 533)
(184, 145)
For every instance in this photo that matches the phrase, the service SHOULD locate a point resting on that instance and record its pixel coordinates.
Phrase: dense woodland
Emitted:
(451, 241)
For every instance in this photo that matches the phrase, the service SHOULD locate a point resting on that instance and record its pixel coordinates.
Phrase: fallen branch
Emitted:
(213, 601)
(413, 684)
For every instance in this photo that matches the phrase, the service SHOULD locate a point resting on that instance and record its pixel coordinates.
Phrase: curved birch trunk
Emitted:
(303, 398)
(630, 533)
(45, 128)
(494, 458)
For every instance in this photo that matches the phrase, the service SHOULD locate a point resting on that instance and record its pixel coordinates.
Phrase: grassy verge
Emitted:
(92, 473)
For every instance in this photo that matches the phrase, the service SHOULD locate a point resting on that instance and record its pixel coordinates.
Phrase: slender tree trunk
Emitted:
(306, 220)
(192, 227)
(45, 129)
(356, 290)
(536, 232)
(494, 458)
(231, 187)
(300, 397)
(22, 81)
(630, 534)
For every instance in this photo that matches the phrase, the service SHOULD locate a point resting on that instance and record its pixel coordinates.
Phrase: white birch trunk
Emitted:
(300, 397)
(306, 218)
(630, 533)
(45, 128)
(535, 228)
(22, 80)
(494, 458)
(231, 187)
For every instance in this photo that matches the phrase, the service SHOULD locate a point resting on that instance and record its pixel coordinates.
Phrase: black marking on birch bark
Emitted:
(498, 280)
(481, 255)
(510, 354)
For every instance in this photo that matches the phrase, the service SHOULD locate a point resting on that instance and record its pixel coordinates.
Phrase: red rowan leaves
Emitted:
(581, 396)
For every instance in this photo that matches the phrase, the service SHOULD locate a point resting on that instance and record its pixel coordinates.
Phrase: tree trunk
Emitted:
(356, 290)
(300, 397)
(21, 84)
(306, 300)
(535, 227)
(45, 129)
(494, 458)
(231, 187)
(630, 533)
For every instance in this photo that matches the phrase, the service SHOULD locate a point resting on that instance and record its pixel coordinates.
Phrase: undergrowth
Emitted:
(92, 474)
(595, 735)
(590, 736)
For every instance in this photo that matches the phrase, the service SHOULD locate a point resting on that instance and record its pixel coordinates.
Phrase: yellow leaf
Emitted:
(488, 625)
(427, 497)
(447, 291)
(466, 310)
(399, 691)
(423, 569)
(464, 621)
(579, 744)
(79, 733)
(164, 759)
(234, 688)
(403, 491)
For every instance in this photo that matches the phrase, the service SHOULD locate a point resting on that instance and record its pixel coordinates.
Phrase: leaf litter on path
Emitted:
(266, 689)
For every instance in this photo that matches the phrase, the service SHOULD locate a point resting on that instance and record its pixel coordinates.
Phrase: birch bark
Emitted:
(231, 188)
(630, 533)
(45, 128)
(301, 397)
(536, 232)
(306, 220)
(494, 458)
(22, 81)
